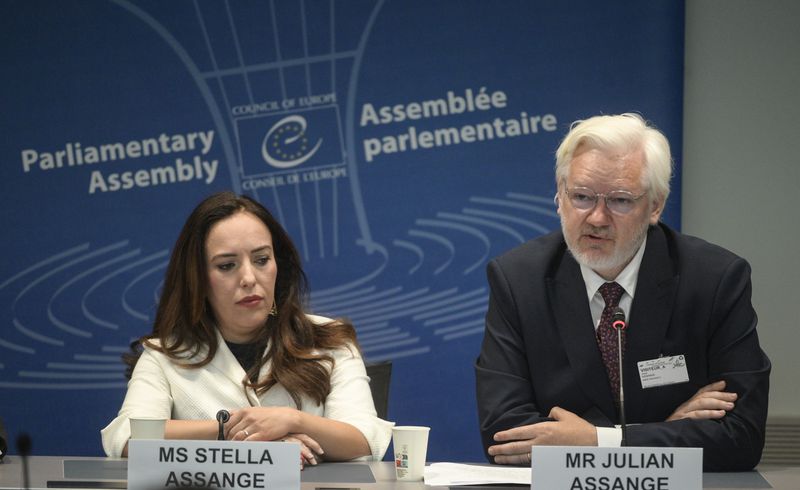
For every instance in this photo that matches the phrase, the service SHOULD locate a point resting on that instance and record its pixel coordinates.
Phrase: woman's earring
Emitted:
(274, 310)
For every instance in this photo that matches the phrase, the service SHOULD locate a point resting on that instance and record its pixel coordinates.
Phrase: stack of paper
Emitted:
(446, 474)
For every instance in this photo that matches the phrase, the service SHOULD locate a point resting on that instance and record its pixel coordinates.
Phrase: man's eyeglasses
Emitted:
(618, 202)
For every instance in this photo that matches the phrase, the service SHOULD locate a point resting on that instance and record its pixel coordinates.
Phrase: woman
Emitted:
(230, 333)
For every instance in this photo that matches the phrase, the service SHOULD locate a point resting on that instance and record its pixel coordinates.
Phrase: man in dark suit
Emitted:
(3, 437)
(694, 374)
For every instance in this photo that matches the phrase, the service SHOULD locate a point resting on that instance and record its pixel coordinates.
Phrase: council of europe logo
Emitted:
(277, 143)
(286, 144)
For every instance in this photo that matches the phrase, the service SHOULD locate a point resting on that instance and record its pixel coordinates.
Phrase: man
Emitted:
(547, 372)
(3, 445)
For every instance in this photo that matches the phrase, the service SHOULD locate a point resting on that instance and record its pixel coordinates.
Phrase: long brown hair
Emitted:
(185, 324)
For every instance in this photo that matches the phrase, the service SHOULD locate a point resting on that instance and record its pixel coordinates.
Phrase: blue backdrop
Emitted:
(402, 144)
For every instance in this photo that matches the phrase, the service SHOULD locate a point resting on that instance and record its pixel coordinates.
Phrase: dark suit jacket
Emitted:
(692, 298)
(3, 438)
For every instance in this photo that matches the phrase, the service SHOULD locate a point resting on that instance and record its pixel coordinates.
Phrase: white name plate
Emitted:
(156, 464)
(616, 468)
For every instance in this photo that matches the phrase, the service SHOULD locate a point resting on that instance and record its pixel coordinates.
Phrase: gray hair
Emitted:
(626, 132)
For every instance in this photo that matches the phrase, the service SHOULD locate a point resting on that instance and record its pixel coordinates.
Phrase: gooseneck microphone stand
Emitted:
(618, 322)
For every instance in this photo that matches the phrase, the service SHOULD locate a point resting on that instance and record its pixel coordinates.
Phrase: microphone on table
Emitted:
(222, 417)
(618, 322)
(24, 450)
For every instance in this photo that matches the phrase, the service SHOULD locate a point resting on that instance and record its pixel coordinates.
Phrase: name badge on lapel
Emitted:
(663, 371)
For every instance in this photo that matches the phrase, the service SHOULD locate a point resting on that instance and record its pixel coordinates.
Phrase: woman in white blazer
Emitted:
(230, 333)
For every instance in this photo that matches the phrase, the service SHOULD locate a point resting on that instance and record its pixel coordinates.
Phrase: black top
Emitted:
(246, 354)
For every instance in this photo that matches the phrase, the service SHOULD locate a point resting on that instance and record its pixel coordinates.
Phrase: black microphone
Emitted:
(618, 322)
(24, 450)
(222, 417)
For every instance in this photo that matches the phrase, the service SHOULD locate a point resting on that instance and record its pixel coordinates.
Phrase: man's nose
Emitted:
(599, 215)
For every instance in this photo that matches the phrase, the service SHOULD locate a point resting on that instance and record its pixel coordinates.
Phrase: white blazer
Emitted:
(161, 388)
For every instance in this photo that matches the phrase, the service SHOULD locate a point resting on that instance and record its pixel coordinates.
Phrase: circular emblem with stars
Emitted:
(286, 144)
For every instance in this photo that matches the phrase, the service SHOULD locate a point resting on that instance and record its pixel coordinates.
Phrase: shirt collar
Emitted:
(626, 278)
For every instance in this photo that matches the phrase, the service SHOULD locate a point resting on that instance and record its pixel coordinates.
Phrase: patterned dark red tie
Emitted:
(607, 336)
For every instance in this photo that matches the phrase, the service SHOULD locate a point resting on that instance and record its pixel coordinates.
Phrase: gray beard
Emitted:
(623, 253)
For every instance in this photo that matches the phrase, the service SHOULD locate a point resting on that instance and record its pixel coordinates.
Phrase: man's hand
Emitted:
(710, 402)
(566, 429)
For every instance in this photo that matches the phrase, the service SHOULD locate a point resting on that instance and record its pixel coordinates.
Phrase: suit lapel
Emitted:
(649, 317)
(567, 293)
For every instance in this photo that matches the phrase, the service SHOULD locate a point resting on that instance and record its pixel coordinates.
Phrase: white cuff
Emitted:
(609, 436)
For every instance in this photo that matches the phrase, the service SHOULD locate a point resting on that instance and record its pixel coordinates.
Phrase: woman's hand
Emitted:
(310, 450)
(710, 402)
(262, 423)
(341, 440)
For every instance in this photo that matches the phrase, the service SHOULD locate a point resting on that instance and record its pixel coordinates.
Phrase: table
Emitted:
(329, 475)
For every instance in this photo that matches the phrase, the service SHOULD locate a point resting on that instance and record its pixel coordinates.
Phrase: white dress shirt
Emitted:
(612, 436)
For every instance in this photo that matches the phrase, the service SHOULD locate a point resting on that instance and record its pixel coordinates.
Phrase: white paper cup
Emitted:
(147, 428)
(410, 451)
